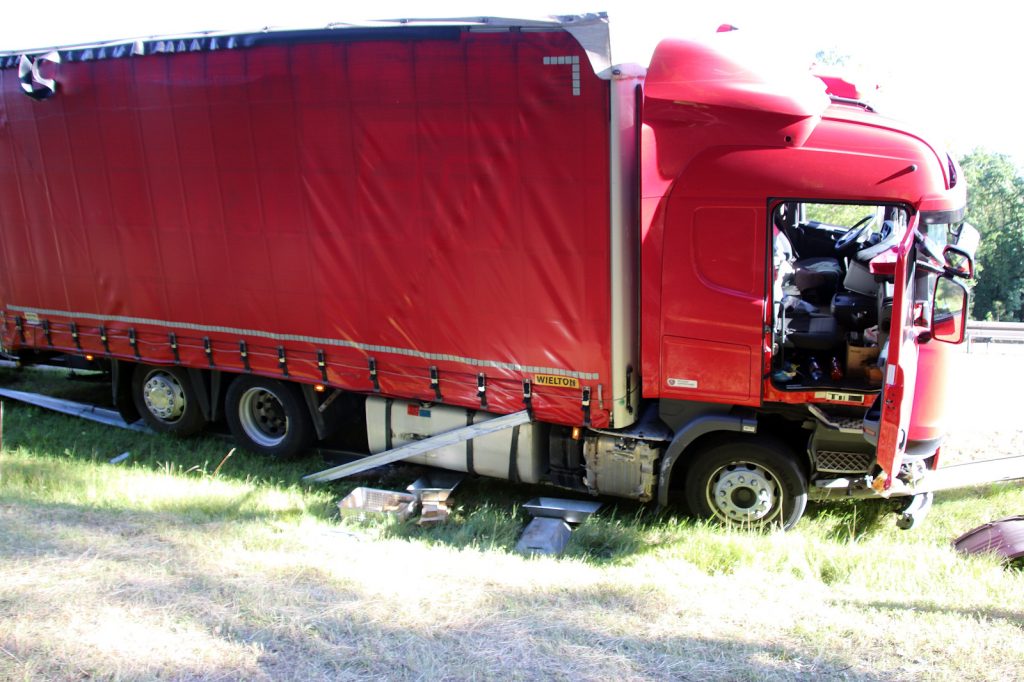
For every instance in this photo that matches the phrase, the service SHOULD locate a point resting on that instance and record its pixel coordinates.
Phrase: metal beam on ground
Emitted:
(453, 437)
(75, 409)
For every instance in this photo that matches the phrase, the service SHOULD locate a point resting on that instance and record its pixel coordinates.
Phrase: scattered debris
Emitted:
(1004, 537)
(549, 531)
(570, 511)
(120, 458)
(366, 503)
(544, 535)
(75, 409)
(432, 490)
(344, 533)
(419, 447)
(226, 457)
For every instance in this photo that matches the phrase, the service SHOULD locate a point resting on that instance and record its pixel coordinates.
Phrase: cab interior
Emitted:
(831, 316)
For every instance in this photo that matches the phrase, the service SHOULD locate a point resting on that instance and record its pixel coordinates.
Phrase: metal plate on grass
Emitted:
(571, 511)
(435, 485)
(544, 536)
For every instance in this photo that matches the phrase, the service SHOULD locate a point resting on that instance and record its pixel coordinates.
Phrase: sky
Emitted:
(939, 66)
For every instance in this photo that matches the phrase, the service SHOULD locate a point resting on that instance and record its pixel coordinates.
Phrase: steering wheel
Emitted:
(854, 233)
(872, 247)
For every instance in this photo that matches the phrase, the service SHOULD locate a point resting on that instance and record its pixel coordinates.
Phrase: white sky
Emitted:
(947, 67)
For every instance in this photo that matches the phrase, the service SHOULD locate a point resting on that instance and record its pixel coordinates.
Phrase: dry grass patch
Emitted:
(138, 596)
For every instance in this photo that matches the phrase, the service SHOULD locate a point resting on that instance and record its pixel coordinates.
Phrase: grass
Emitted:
(158, 567)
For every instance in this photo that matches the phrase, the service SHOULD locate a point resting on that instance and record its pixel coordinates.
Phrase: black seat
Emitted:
(817, 278)
(813, 332)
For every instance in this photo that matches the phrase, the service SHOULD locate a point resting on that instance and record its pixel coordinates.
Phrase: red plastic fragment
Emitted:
(1004, 537)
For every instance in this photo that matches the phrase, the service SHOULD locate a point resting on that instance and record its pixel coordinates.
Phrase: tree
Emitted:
(831, 57)
(996, 207)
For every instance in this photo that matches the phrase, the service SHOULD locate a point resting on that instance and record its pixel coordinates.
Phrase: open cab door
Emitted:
(887, 422)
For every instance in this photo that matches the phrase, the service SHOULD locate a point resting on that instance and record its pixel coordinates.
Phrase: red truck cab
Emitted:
(753, 298)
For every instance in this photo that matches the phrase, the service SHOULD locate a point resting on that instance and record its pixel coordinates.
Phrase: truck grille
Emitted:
(833, 462)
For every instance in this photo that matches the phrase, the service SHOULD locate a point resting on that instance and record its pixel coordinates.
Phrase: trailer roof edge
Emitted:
(590, 31)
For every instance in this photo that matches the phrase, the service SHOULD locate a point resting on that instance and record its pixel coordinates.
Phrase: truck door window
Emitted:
(826, 303)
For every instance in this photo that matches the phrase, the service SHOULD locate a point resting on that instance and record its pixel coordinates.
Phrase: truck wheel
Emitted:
(166, 399)
(268, 417)
(748, 483)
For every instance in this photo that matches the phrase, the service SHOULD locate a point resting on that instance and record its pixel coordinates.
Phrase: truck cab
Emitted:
(798, 282)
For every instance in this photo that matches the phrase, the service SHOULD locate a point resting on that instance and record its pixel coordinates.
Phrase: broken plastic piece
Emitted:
(120, 458)
(1004, 537)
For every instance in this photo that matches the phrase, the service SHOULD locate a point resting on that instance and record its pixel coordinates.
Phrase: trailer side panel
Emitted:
(435, 200)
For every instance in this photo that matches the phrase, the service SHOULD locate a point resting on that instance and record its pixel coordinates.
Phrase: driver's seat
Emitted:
(817, 278)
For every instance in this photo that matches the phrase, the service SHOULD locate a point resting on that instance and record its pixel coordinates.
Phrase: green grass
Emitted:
(166, 566)
(53, 459)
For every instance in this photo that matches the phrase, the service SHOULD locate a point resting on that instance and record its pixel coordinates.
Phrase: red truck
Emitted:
(697, 280)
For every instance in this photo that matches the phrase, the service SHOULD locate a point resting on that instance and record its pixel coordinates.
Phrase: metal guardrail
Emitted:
(994, 333)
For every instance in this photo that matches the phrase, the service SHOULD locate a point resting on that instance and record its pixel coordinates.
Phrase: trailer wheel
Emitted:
(268, 417)
(747, 483)
(166, 399)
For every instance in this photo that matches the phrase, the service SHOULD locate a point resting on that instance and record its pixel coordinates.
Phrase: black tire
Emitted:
(748, 483)
(166, 400)
(268, 417)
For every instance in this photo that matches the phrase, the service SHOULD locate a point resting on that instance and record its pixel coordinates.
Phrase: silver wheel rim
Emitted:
(262, 416)
(164, 396)
(744, 493)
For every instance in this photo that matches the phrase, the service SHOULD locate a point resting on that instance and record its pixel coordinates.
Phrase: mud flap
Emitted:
(313, 403)
(202, 391)
(121, 385)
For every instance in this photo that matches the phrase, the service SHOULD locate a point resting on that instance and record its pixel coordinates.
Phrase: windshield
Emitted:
(943, 227)
(840, 217)
(940, 234)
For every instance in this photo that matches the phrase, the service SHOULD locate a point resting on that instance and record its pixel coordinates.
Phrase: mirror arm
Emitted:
(950, 273)
(928, 247)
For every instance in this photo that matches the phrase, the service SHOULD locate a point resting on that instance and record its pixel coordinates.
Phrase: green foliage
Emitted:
(831, 57)
(996, 208)
(845, 215)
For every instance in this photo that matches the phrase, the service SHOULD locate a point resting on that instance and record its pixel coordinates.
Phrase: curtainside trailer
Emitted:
(694, 279)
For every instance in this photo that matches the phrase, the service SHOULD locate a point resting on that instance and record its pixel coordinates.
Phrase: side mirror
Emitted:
(958, 261)
(967, 239)
(949, 311)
